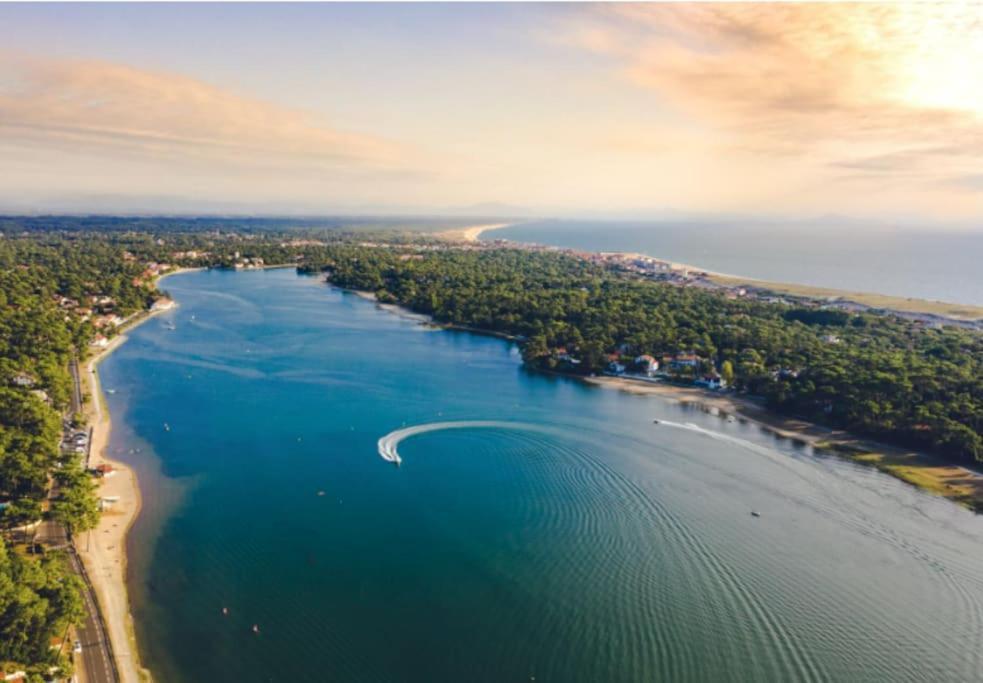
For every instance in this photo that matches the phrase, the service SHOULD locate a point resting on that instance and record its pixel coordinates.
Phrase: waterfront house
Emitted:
(712, 381)
(615, 368)
(683, 360)
(647, 364)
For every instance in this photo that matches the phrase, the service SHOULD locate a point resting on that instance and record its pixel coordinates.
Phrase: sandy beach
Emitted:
(471, 233)
(103, 549)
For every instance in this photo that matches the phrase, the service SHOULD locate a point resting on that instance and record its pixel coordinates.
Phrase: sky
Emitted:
(802, 110)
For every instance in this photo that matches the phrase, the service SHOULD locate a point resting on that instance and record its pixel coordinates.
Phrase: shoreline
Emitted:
(103, 550)
(959, 484)
(970, 315)
(471, 233)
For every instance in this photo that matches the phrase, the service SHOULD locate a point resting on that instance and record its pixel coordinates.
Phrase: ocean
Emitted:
(937, 265)
(537, 528)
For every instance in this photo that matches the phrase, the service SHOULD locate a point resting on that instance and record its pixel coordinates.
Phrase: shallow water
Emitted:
(593, 546)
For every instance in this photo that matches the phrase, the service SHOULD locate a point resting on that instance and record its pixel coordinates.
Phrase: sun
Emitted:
(937, 52)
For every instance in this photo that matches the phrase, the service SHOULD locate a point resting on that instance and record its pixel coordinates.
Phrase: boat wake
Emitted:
(389, 444)
(749, 445)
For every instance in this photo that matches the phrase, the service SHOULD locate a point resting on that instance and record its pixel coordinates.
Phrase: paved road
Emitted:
(95, 664)
(77, 391)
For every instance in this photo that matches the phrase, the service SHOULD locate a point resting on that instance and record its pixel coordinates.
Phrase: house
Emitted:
(615, 368)
(647, 364)
(104, 470)
(564, 356)
(162, 304)
(785, 373)
(684, 360)
(712, 381)
(831, 339)
(100, 341)
(22, 379)
(108, 320)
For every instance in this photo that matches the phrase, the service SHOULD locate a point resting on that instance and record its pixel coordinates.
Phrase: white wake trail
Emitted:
(389, 444)
(749, 445)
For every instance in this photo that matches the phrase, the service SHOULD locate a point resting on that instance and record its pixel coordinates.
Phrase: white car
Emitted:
(78, 647)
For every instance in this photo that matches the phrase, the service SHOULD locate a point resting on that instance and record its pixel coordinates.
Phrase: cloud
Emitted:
(868, 89)
(106, 109)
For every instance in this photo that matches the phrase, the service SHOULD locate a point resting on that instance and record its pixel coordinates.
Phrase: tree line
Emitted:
(874, 374)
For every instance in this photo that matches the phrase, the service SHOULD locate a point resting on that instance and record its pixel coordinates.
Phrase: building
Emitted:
(683, 360)
(647, 364)
(162, 304)
(22, 379)
(615, 368)
(712, 381)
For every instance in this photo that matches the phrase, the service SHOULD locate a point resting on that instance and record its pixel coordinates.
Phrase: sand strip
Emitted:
(103, 549)
(471, 233)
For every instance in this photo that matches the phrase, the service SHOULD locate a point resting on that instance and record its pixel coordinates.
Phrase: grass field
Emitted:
(924, 471)
(880, 301)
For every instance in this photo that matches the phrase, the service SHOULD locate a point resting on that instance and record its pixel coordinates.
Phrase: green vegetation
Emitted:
(39, 599)
(63, 281)
(876, 375)
(54, 291)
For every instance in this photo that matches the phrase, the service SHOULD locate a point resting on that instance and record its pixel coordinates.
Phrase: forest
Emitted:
(877, 375)
(874, 374)
(47, 287)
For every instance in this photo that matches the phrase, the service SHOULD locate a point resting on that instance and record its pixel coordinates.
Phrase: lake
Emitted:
(941, 265)
(565, 538)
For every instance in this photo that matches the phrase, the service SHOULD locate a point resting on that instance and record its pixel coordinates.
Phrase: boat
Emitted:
(110, 391)
(755, 513)
(255, 628)
(655, 422)
(167, 427)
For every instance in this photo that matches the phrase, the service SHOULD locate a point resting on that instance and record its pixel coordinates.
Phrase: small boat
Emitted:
(167, 427)
(655, 422)
(110, 391)
(755, 513)
(255, 628)
(320, 493)
(225, 611)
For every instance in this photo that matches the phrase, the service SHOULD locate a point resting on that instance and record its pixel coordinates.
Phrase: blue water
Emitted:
(577, 542)
(932, 264)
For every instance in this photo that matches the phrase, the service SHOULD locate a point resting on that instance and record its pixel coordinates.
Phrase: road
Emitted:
(95, 664)
(77, 391)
